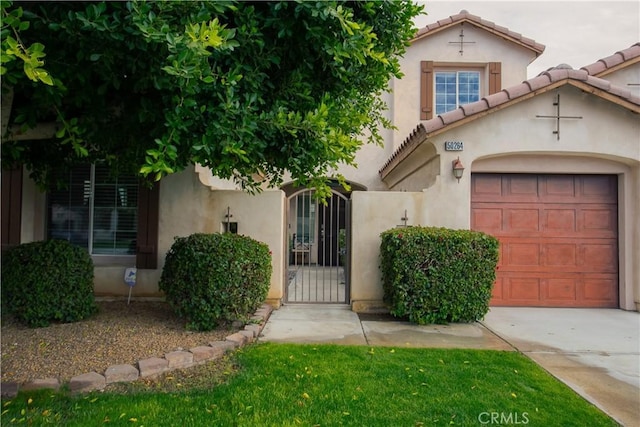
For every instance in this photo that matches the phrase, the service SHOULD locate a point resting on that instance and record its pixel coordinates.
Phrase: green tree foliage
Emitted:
(245, 88)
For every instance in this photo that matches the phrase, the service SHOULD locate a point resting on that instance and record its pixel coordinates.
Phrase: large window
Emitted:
(455, 88)
(96, 211)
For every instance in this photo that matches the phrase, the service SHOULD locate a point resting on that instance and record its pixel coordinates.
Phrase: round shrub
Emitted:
(48, 281)
(438, 275)
(212, 278)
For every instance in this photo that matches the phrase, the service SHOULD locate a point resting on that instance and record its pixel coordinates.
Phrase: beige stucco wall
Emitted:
(372, 213)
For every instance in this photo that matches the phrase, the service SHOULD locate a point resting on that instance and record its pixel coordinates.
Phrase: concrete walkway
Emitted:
(595, 352)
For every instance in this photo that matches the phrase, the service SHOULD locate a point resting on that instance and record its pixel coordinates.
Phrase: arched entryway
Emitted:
(318, 236)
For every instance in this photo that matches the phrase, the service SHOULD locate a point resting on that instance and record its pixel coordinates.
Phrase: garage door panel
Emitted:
(599, 256)
(601, 290)
(558, 188)
(599, 189)
(562, 289)
(487, 219)
(523, 288)
(563, 220)
(522, 220)
(558, 238)
(521, 254)
(560, 255)
(520, 188)
(487, 188)
(600, 221)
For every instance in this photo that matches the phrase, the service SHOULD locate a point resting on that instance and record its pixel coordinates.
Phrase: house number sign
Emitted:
(453, 146)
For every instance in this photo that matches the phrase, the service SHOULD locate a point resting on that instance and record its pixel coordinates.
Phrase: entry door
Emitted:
(332, 236)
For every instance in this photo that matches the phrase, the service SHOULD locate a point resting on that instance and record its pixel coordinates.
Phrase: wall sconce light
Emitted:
(458, 169)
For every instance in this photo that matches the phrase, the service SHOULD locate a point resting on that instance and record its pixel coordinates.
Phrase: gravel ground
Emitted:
(118, 334)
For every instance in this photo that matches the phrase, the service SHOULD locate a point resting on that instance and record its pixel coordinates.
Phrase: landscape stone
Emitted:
(87, 382)
(223, 346)
(152, 366)
(253, 328)
(9, 389)
(179, 359)
(237, 339)
(203, 353)
(38, 384)
(121, 373)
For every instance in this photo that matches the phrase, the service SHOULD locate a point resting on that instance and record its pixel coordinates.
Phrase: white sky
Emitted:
(577, 33)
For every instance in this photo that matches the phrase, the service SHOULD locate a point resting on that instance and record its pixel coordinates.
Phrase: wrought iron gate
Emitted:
(318, 264)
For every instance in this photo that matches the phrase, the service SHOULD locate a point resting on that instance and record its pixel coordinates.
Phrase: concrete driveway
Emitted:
(594, 351)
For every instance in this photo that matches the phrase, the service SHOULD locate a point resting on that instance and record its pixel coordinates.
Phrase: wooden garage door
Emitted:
(558, 237)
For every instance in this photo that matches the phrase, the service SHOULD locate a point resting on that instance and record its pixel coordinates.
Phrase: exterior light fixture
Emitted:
(458, 169)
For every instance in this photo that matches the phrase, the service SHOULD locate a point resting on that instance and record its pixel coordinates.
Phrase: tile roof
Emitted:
(547, 80)
(498, 30)
(610, 63)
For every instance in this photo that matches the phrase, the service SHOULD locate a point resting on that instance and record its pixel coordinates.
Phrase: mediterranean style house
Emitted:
(548, 165)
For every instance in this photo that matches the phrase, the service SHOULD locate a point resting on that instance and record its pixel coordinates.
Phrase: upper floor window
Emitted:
(96, 211)
(446, 86)
(455, 88)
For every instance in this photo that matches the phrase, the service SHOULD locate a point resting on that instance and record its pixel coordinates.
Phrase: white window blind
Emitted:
(96, 211)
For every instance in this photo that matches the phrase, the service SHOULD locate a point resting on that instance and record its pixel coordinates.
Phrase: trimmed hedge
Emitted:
(438, 275)
(212, 278)
(48, 281)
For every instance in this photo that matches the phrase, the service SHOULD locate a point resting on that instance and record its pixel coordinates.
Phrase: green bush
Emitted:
(438, 275)
(48, 281)
(211, 278)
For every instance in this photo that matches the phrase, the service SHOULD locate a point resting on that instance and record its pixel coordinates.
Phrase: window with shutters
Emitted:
(445, 87)
(96, 210)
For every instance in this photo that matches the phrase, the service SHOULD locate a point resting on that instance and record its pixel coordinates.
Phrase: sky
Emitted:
(577, 33)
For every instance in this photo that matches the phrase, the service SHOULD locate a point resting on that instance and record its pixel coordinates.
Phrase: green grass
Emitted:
(291, 385)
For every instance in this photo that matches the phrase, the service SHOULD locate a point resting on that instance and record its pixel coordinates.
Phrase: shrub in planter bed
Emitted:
(211, 278)
(438, 275)
(48, 281)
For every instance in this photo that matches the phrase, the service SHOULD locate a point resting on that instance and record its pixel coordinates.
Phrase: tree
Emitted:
(248, 89)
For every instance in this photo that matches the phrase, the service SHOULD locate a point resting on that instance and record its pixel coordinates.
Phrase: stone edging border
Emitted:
(154, 366)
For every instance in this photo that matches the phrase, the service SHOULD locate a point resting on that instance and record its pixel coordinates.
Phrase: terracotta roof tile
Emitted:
(496, 98)
(517, 90)
(465, 16)
(600, 83)
(539, 82)
(475, 107)
(618, 58)
(452, 116)
(434, 124)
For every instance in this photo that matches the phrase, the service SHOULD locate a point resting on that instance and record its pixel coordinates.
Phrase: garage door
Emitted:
(558, 237)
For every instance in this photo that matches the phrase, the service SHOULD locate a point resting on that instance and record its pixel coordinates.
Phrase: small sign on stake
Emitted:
(130, 279)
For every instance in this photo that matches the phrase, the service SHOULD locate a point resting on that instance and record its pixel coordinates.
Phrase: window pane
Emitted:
(453, 89)
(115, 213)
(68, 208)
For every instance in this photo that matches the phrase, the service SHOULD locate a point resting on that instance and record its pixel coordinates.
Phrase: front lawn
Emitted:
(307, 385)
